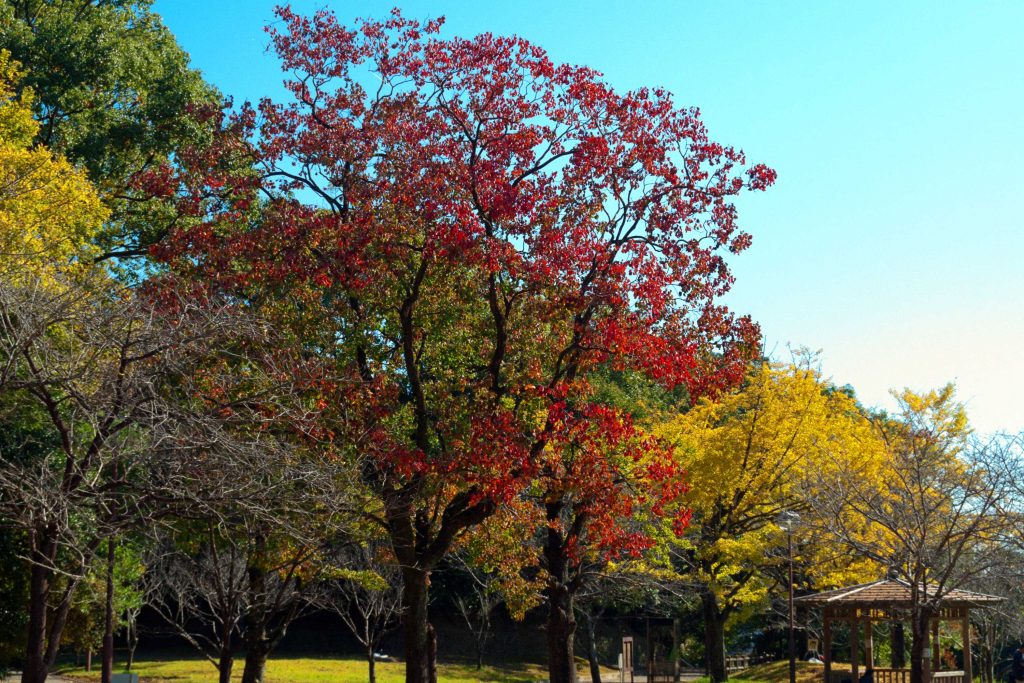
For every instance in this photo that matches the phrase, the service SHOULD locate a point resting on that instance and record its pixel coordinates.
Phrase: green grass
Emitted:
(353, 670)
(778, 672)
(314, 670)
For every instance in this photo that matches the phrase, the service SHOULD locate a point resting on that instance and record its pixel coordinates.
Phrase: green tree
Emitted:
(13, 598)
(114, 94)
(85, 626)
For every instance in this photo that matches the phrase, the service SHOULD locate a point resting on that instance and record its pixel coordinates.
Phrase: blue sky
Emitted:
(893, 239)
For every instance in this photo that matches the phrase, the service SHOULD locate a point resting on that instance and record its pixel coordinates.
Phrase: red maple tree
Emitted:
(469, 231)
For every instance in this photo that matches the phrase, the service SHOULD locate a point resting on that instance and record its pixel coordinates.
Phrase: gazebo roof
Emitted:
(892, 592)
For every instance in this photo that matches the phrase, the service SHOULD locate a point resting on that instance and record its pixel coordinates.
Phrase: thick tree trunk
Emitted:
(714, 638)
(561, 634)
(432, 652)
(225, 665)
(257, 643)
(898, 645)
(419, 665)
(255, 662)
(34, 669)
(561, 618)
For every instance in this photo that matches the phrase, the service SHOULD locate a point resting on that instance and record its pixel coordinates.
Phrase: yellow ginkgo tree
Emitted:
(49, 212)
(749, 457)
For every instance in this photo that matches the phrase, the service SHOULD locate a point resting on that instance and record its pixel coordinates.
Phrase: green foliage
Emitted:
(84, 630)
(13, 597)
(113, 95)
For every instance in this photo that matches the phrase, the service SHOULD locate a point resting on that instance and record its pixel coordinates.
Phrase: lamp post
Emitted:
(787, 519)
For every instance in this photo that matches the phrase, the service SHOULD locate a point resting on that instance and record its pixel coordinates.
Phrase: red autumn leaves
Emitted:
(471, 234)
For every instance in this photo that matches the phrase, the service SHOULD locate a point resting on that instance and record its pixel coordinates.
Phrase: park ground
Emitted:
(351, 670)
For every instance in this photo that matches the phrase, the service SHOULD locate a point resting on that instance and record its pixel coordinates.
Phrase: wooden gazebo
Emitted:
(889, 600)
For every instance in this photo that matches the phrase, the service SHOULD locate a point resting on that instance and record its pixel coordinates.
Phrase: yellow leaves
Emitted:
(16, 122)
(754, 447)
(49, 212)
(754, 453)
(367, 578)
(935, 416)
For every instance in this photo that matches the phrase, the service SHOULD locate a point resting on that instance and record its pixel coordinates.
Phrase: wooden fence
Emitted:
(882, 675)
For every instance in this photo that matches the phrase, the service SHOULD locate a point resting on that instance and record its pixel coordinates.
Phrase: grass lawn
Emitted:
(314, 670)
(333, 670)
(778, 672)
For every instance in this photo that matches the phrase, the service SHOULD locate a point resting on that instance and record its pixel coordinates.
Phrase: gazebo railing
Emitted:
(892, 675)
(882, 675)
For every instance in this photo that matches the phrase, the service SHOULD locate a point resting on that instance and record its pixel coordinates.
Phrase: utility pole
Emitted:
(792, 616)
(787, 520)
(108, 630)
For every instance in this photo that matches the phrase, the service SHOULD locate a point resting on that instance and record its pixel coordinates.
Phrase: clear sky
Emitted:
(893, 239)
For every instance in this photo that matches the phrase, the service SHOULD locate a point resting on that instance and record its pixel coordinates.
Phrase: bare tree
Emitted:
(929, 510)
(224, 591)
(477, 602)
(368, 598)
(250, 537)
(86, 358)
(145, 397)
(999, 627)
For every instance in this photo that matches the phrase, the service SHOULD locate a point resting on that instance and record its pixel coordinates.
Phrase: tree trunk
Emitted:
(416, 627)
(595, 664)
(371, 664)
(714, 638)
(561, 634)
(257, 642)
(133, 640)
(255, 661)
(561, 618)
(34, 670)
(432, 652)
(990, 666)
(88, 659)
(60, 619)
(898, 645)
(226, 662)
(108, 622)
(919, 669)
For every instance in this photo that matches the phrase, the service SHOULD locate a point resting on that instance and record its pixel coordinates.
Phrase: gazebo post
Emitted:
(827, 646)
(854, 645)
(936, 659)
(965, 626)
(869, 643)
